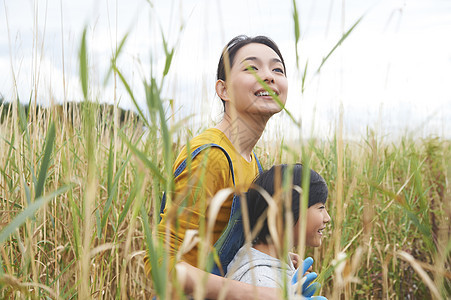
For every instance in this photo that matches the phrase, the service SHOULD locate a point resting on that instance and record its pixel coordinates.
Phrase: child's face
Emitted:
(317, 218)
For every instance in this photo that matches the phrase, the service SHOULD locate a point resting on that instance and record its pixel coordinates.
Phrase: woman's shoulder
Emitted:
(210, 136)
(215, 155)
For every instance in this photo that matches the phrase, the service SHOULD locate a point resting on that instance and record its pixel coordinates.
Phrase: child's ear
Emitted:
(221, 90)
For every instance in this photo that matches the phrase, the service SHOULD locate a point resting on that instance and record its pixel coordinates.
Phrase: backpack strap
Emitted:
(260, 169)
(182, 167)
(232, 237)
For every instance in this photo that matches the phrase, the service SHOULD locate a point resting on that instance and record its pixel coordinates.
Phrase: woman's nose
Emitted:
(267, 76)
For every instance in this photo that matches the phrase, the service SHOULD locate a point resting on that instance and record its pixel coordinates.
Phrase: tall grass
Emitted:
(81, 191)
(394, 215)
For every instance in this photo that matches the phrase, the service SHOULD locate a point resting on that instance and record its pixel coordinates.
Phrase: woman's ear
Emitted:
(221, 90)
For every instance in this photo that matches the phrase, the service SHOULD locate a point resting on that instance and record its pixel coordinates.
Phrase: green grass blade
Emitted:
(112, 193)
(6, 178)
(110, 167)
(127, 205)
(29, 212)
(114, 59)
(143, 158)
(63, 272)
(347, 33)
(98, 224)
(303, 77)
(27, 193)
(22, 119)
(83, 58)
(297, 31)
(424, 229)
(167, 141)
(169, 55)
(50, 139)
(274, 96)
(76, 217)
(158, 271)
(168, 62)
(11, 148)
(132, 96)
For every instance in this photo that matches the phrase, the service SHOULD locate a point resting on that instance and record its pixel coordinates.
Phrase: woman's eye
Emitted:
(251, 68)
(279, 70)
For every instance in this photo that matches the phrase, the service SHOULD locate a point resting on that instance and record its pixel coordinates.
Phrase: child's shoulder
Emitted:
(255, 267)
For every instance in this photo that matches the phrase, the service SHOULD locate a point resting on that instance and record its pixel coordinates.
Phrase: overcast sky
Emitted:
(393, 72)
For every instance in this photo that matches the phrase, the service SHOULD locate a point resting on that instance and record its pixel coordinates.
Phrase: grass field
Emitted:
(81, 184)
(79, 189)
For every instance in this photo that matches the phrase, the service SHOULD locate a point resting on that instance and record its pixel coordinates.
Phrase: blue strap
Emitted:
(232, 237)
(182, 167)
(260, 169)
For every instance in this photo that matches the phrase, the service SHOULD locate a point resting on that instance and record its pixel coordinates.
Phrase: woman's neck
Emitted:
(243, 132)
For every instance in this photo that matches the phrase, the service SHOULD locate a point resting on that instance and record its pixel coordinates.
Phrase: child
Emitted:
(261, 264)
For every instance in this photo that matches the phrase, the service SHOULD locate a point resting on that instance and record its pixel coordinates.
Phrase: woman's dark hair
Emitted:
(236, 44)
(257, 205)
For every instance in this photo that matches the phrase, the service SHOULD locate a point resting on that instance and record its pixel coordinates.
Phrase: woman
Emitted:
(247, 109)
(262, 263)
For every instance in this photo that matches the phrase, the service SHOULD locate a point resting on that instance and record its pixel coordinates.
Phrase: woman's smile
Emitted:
(263, 92)
(244, 90)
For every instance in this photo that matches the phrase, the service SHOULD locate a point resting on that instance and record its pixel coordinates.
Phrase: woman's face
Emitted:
(317, 218)
(243, 90)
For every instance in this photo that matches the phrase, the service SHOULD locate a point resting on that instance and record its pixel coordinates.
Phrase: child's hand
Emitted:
(308, 288)
(295, 259)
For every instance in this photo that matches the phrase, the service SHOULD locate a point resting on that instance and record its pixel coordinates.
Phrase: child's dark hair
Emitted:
(257, 205)
(236, 44)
